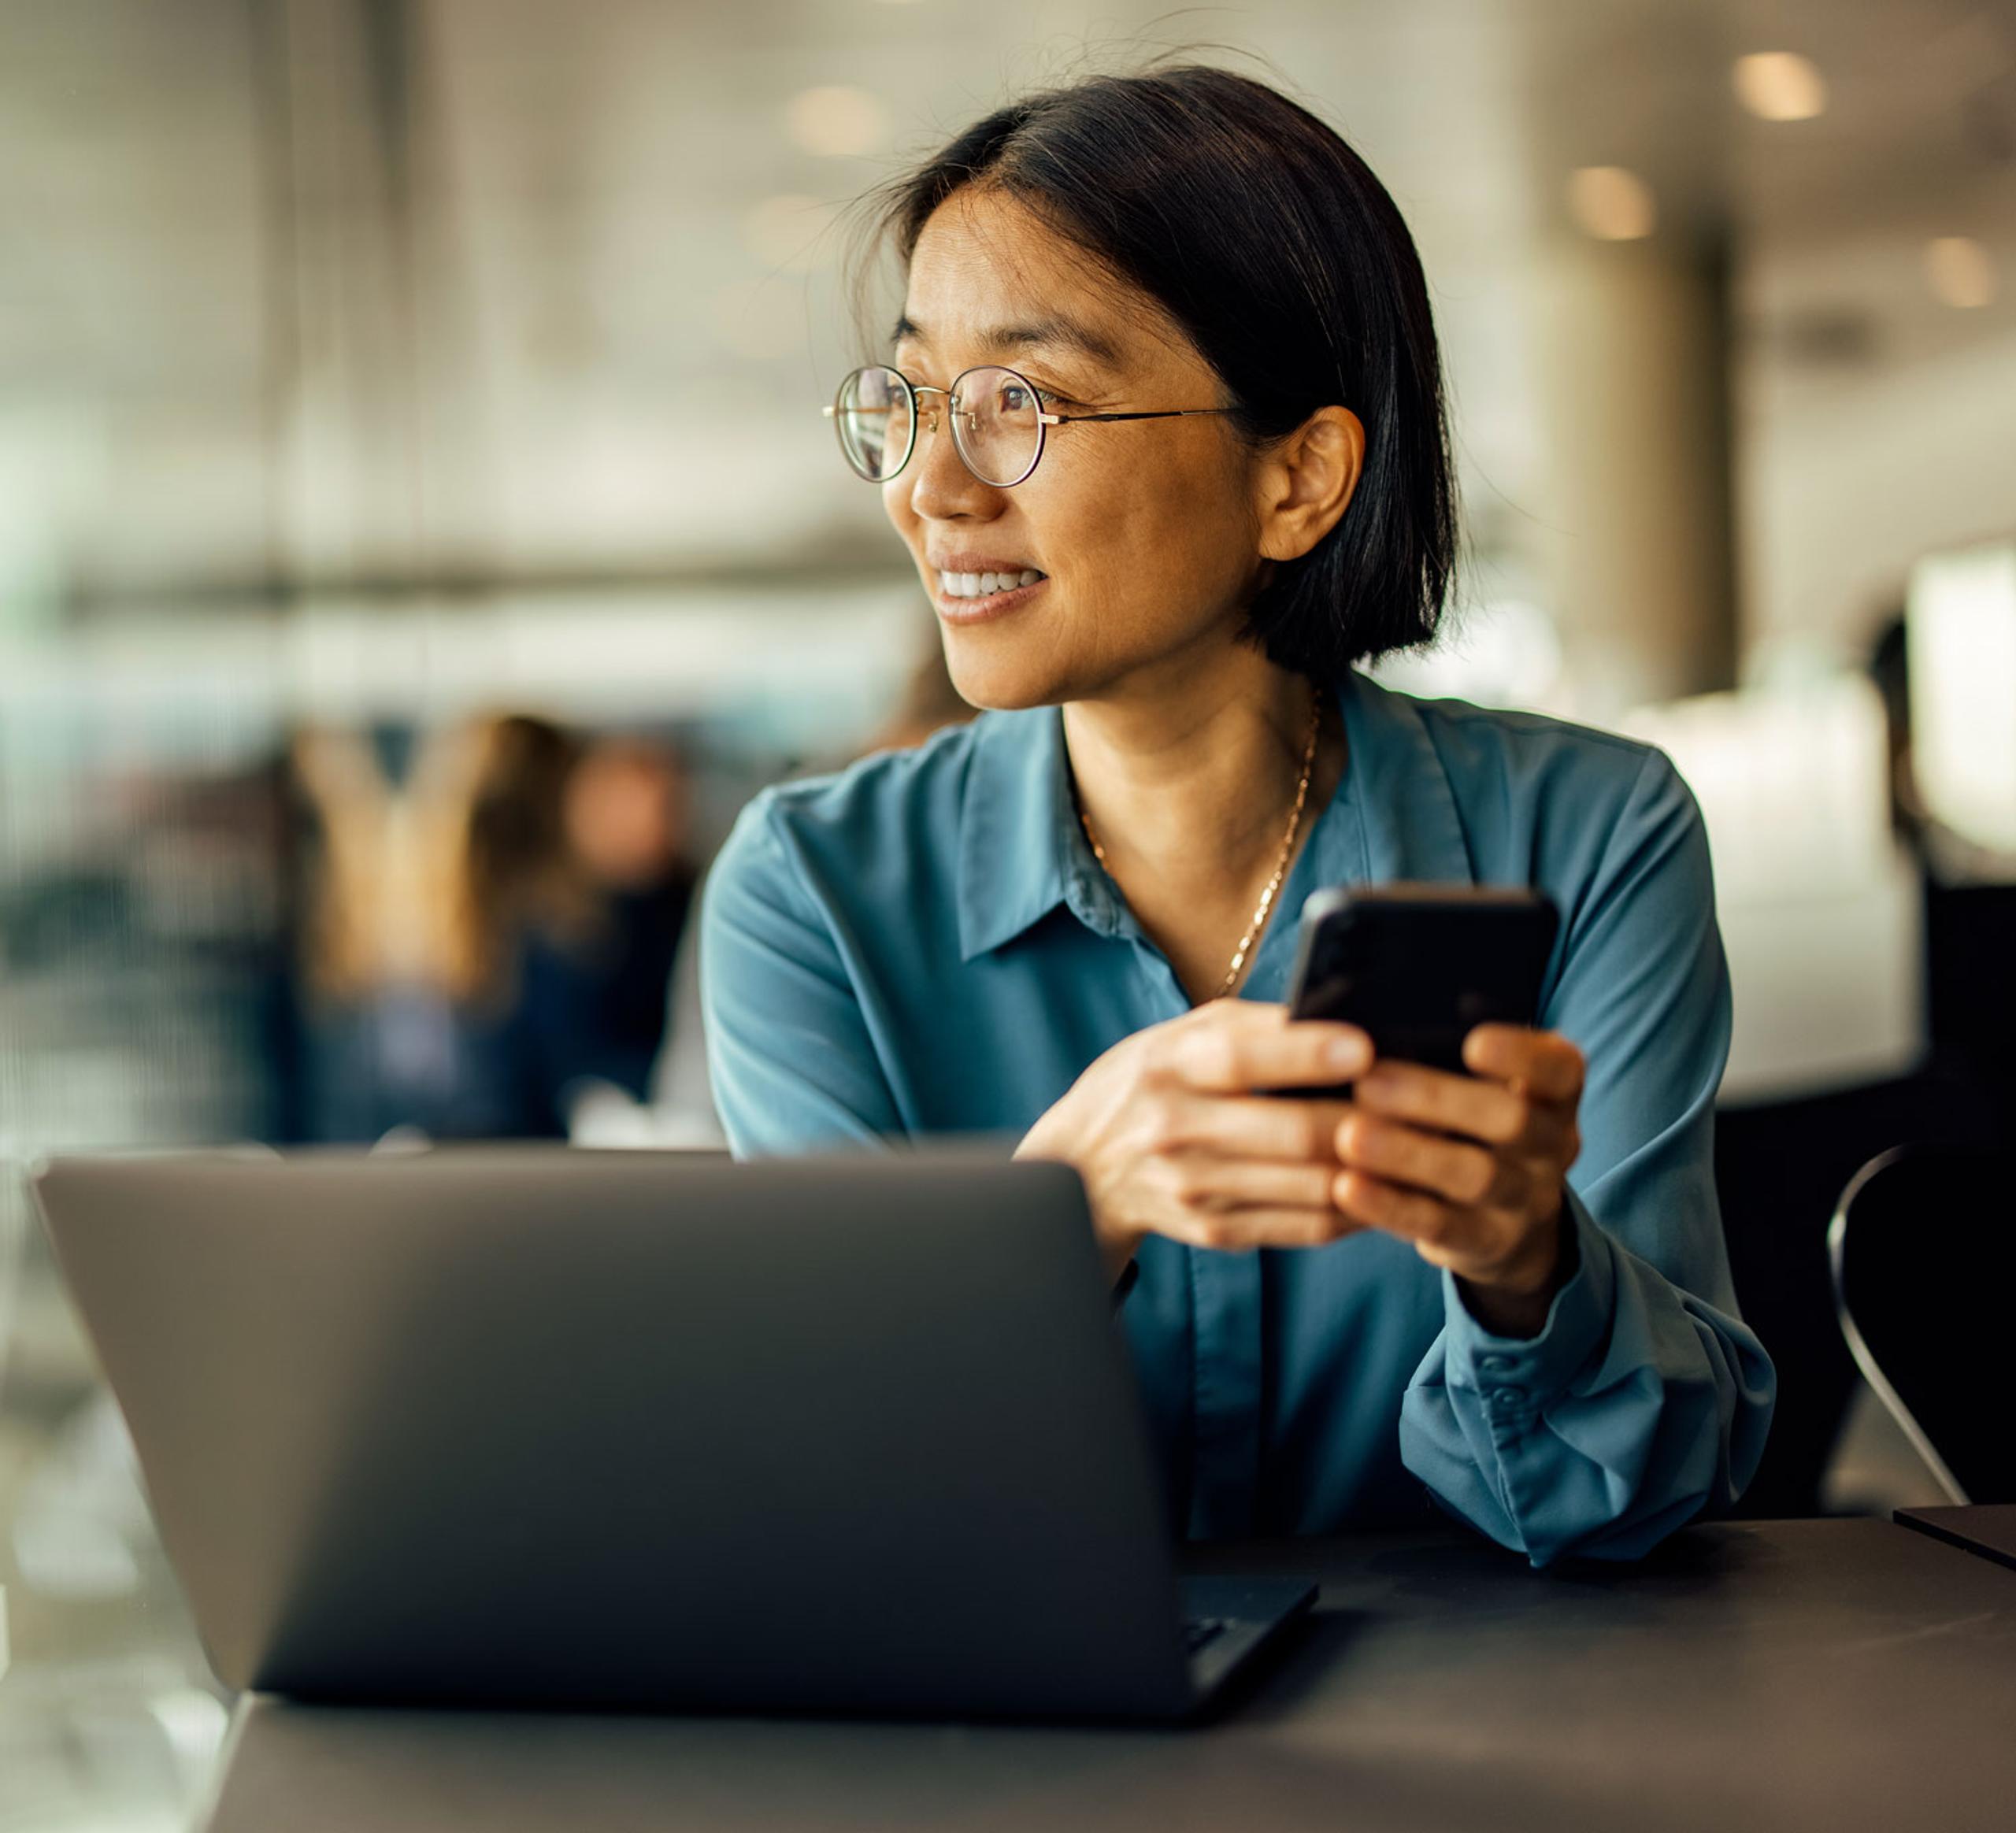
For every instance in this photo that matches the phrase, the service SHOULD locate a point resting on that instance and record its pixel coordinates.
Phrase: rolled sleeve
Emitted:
(1511, 1374)
(1636, 1408)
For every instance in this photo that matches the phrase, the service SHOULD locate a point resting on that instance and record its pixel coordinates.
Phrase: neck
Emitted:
(1188, 783)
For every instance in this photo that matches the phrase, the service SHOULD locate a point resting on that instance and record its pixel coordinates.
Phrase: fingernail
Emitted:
(1349, 1053)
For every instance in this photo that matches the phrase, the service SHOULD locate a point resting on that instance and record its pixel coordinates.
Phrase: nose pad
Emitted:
(931, 421)
(963, 425)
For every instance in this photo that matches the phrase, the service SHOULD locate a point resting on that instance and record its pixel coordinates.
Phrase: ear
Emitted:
(1305, 482)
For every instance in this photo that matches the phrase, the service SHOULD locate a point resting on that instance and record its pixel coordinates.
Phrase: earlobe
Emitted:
(1308, 482)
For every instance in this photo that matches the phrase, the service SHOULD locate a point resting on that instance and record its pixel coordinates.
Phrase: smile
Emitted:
(983, 585)
(978, 587)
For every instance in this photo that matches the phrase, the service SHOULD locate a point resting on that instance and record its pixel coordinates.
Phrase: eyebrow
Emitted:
(1063, 333)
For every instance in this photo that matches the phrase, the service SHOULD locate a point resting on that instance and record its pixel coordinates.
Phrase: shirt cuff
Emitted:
(1515, 1375)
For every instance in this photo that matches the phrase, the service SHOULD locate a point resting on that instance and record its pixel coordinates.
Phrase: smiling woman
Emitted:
(1161, 426)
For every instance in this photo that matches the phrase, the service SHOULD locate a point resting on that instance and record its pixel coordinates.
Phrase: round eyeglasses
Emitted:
(997, 419)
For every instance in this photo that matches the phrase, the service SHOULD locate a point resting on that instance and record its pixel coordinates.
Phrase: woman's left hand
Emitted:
(1471, 1169)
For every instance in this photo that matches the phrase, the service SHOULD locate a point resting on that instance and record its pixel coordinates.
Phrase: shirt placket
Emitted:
(1227, 1429)
(1225, 1297)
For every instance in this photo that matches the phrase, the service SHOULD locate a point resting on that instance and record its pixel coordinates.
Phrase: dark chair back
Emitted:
(1924, 1250)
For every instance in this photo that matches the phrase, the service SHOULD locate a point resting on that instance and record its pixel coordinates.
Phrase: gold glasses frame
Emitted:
(834, 410)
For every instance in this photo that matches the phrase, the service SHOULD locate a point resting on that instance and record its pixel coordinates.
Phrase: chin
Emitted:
(1001, 691)
(1004, 676)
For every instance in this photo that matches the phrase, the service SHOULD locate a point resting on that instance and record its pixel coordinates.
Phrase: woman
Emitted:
(1164, 434)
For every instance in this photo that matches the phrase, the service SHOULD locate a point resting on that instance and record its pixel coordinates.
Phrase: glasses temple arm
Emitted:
(1066, 419)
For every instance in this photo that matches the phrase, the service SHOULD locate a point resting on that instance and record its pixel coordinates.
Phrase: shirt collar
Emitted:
(1013, 833)
(1022, 852)
(1399, 783)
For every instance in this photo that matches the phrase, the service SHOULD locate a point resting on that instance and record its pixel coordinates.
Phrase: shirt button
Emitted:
(1496, 1364)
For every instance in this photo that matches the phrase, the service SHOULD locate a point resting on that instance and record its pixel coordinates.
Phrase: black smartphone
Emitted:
(1419, 966)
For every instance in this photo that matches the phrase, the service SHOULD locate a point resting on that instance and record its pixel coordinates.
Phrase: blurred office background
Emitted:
(418, 536)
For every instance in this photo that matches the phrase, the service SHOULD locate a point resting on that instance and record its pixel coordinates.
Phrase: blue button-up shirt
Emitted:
(923, 944)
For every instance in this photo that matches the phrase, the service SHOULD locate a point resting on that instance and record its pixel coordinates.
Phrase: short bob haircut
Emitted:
(1269, 241)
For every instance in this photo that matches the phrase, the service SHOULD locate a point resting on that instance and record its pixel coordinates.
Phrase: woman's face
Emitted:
(1145, 531)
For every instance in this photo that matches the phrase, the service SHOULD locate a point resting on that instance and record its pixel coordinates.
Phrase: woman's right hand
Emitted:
(1170, 1136)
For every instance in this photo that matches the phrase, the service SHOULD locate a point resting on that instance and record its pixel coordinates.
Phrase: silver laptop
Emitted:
(542, 1428)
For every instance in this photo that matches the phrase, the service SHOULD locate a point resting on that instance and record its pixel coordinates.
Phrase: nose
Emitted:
(942, 489)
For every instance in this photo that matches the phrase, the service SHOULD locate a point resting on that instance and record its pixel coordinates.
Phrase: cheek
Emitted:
(1178, 523)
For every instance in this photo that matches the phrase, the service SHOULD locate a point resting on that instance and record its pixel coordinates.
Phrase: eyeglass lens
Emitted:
(994, 424)
(874, 415)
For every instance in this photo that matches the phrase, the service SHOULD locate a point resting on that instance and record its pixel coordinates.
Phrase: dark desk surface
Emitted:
(1987, 1528)
(1792, 1675)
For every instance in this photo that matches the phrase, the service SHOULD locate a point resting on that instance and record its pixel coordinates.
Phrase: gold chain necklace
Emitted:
(1280, 865)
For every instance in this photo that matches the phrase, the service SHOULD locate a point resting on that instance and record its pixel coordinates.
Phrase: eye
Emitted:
(1020, 400)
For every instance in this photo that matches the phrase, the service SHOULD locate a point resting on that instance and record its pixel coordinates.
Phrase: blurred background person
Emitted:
(1969, 890)
(491, 939)
(601, 1002)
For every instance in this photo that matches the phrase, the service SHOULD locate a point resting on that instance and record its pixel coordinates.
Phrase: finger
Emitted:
(1507, 1121)
(1454, 1169)
(1240, 1230)
(1233, 1052)
(1444, 1235)
(1466, 1105)
(1204, 1184)
(1545, 1064)
(1414, 1216)
(1246, 1126)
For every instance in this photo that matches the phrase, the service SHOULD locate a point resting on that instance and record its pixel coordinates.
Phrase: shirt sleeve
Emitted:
(789, 1055)
(1645, 1400)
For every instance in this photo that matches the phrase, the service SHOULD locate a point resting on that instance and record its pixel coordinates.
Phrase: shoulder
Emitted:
(883, 789)
(1489, 751)
(1603, 824)
(794, 839)
(1547, 787)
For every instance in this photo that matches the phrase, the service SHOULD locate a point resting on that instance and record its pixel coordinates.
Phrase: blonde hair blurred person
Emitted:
(491, 935)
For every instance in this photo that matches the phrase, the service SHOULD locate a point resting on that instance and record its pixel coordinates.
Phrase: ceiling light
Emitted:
(787, 233)
(836, 122)
(1611, 204)
(1780, 86)
(1960, 271)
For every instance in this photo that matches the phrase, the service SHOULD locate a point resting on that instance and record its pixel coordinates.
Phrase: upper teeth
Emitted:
(965, 585)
